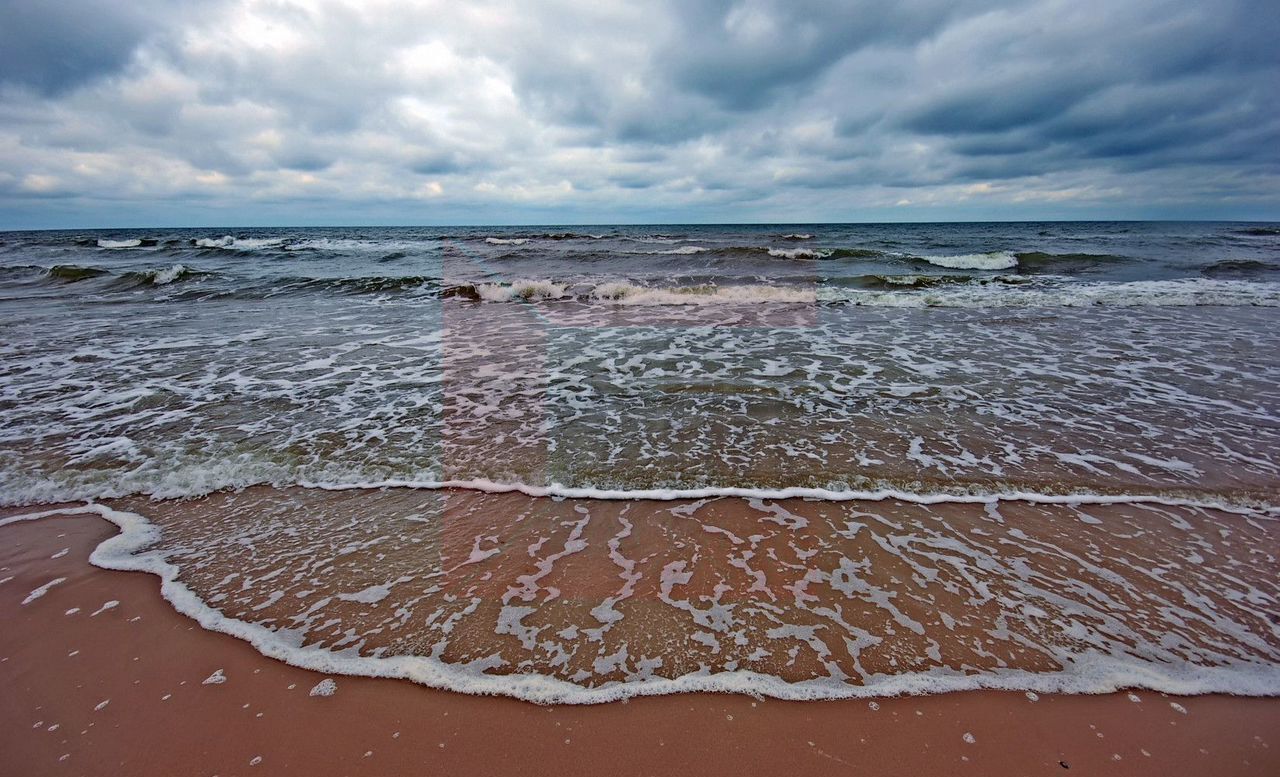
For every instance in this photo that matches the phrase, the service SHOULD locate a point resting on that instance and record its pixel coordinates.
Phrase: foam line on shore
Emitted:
(558, 491)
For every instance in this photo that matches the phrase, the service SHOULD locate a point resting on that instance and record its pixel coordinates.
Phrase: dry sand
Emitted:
(94, 689)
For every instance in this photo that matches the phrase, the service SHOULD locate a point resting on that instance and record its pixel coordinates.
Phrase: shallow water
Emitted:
(590, 600)
(1039, 456)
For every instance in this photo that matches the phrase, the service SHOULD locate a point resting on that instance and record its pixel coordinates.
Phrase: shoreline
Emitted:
(141, 531)
(161, 718)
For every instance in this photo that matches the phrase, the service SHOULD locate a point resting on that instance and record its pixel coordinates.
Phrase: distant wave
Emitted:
(1235, 268)
(801, 253)
(239, 243)
(628, 294)
(361, 285)
(162, 276)
(903, 282)
(72, 272)
(1037, 261)
(684, 250)
(655, 238)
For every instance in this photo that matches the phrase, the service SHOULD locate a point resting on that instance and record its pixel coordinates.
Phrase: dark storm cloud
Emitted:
(812, 109)
(54, 46)
(994, 107)
(742, 54)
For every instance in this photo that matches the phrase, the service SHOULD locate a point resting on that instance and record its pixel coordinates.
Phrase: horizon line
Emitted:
(525, 225)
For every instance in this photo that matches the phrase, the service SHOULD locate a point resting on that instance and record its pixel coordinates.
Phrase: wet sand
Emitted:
(590, 599)
(104, 690)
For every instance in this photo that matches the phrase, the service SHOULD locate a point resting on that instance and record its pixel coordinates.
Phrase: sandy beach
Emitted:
(103, 677)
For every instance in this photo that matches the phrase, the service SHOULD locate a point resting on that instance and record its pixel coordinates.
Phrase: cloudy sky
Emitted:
(250, 112)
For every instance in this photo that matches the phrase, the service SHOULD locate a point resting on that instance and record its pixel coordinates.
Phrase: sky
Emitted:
(370, 112)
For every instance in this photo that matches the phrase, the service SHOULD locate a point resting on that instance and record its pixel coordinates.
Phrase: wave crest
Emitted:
(526, 290)
(71, 273)
(994, 260)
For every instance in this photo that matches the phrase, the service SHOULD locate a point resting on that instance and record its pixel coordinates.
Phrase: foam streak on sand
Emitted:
(42, 590)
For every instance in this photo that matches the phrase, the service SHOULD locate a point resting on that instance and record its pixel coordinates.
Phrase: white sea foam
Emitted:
(684, 250)
(199, 480)
(1089, 672)
(252, 243)
(371, 595)
(1008, 292)
(1186, 292)
(240, 243)
(111, 605)
(326, 687)
(798, 236)
(167, 275)
(995, 260)
(42, 590)
(558, 491)
(217, 678)
(360, 246)
(226, 241)
(104, 243)
(651, 239)
(629, 294)
(800, 253)
(521, 290)
(369, 392)
(506, 241)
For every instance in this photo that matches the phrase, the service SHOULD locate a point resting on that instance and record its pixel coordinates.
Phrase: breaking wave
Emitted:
(134, 243)
(995, 260)
(528, 291)
(161, 276)
(801, 253)
(895, 291)
(684, 250)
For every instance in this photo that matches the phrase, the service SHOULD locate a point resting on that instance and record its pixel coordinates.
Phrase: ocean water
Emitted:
(577, 464)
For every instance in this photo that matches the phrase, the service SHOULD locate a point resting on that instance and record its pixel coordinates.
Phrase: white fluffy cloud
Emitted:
(292, 111)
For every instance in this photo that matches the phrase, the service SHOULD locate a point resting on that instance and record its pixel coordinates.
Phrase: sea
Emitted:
(575, 464)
